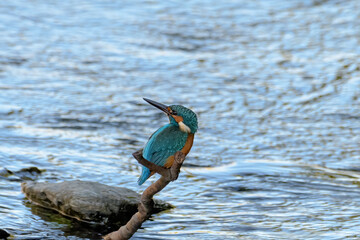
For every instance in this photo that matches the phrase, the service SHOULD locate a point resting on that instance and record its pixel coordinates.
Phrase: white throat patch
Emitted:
(183, 127)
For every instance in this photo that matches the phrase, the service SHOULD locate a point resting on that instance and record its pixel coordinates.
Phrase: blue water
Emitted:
(275, 84)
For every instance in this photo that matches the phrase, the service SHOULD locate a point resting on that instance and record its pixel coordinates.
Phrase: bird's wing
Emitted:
(165, 142)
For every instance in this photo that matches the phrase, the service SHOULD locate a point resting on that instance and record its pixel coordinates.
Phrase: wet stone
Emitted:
(4, 234)
(29, 173)
(24, 174)
(87, 201)
(5, 172)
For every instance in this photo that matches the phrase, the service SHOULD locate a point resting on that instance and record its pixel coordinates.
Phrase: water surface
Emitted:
(275, 84)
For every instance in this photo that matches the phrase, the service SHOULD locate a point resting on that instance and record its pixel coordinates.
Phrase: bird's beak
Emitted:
(160, 106)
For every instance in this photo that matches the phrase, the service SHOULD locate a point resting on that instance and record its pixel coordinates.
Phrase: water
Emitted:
(275, 84)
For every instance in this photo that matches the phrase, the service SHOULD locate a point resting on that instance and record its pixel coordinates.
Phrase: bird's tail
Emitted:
(145, 174)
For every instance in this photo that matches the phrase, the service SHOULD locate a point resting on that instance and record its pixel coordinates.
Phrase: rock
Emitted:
(29, 173)
(24, 174)
(4, 234)
(87, 201)
(32, 170)
(5, 172)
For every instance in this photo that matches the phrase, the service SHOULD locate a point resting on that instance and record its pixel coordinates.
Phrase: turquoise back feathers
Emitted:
(169, 139)
(165, 142)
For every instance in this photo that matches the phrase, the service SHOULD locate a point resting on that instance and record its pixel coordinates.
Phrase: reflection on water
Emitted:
(275, 85)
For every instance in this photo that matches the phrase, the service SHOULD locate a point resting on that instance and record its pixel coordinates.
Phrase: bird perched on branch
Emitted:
(176, 136)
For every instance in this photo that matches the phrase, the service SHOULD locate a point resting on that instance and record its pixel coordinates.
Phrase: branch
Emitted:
(153, 167)
(146, 202)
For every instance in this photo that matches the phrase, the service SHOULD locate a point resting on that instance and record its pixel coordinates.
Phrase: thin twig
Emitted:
(146, 202)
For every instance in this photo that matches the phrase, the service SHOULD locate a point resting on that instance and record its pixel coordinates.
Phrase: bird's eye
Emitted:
(174, 112)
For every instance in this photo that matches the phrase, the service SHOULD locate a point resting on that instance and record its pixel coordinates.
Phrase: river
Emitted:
(275, 85)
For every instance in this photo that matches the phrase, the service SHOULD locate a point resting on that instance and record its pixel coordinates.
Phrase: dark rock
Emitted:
(4, 234)
(29, 173)
(32, 170)
(24, 174)
(87, 201)
(5, 172)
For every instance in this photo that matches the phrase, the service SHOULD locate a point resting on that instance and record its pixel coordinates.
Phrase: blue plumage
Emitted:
(165, 142)
(145, 174)
(176, 136)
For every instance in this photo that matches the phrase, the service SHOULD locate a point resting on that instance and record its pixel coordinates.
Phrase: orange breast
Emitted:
(189, 142)
(186, 149)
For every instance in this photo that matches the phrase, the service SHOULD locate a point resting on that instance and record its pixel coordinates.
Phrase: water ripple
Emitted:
(275, 85)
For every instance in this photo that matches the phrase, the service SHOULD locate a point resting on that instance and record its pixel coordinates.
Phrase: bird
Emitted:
(177, 135)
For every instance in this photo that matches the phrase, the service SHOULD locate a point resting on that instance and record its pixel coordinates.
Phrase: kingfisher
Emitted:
(177, 135)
